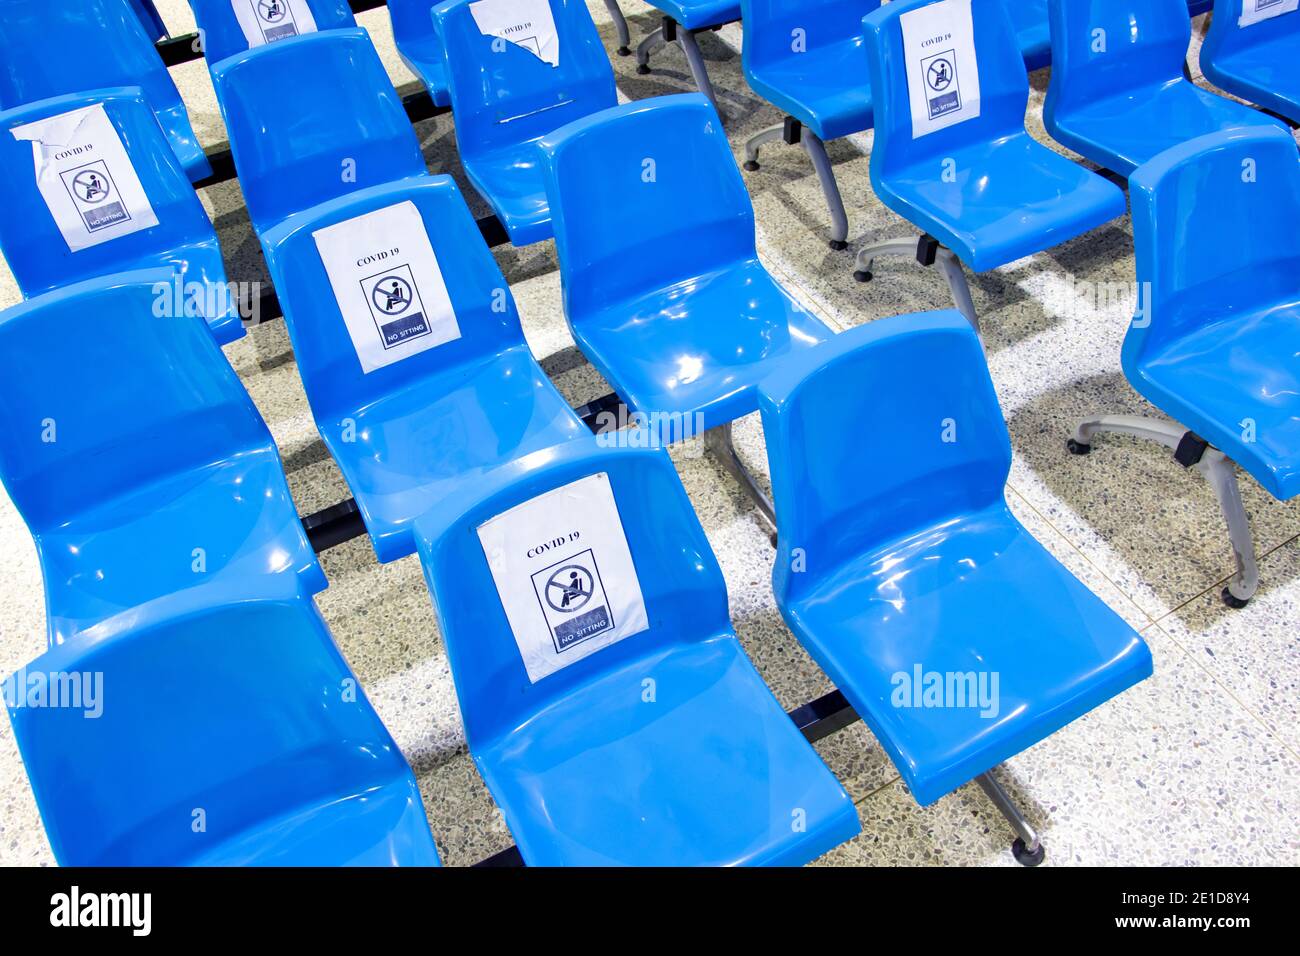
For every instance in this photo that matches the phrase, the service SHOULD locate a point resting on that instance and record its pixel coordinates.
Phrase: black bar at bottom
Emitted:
(336, 524)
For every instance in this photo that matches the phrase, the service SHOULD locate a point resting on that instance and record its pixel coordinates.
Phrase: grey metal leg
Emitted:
(816, 151)
(867, 255)
(1028, 848)
(1219, 470)
(686, 40)
(945, 259)
(718, 441)
(620, 24)
(769, 135)
(652, 40)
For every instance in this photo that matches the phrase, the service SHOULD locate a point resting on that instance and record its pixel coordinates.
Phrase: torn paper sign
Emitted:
(86, 178)
(1256, 11)
(265, 21)
(943, 80)
(564, 574)
(388, 284)
(525, 23)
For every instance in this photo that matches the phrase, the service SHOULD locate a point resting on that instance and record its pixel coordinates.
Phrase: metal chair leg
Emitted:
(944, 258)
(759, 139)
(1027, 848)
(686, 40)
(620, 25)
(652, 40)
(718, 441)
(816, 151)
(1219, 470)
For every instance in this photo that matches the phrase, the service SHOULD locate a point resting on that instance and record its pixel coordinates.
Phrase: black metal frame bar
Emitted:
(342, 522)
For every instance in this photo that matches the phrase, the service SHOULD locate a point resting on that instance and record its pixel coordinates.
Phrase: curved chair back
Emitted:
(230, 27)
(777, 29)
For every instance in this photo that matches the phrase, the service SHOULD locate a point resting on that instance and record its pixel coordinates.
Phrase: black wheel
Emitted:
(863, 275)
(750, 166)
(643, 68)
(839, 244)
(1233, 601)
(1024, 857)
(1077, 447)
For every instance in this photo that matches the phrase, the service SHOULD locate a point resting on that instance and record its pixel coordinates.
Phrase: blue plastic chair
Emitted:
(1215, 341)
(982, 187)
(419, 46)
(406, 433)
(682, 19)
(234, 736)
(909, 562)
(151, 481)
(150, 19)
(311, 119)
(1121, 106)
(1033, 34)
(183, 240)
(224, 36)
(505, 98)
(807, 60)
(586, 767)
(1256, 62)
(54, 48)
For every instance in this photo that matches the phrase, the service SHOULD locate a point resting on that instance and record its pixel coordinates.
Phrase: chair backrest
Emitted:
(233, 26)
(775, 30)
(1003, 83)
(676, 579)
(101, 393)
(928, 441)
(240, 714)
(662, 163)
(459, 279)
(1102, 48)
(412, 20)
(1229, 34)
(506, 92)
(311, 119)
(59, 47)
(1214, 232)
(111, 140)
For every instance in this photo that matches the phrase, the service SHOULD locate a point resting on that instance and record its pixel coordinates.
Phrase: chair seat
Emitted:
(1011, 198)
(1122, 132)
(1264, 73)
(411, 447)
(513, 183)
(423, 57)
(710, 773)
(696, 14)
(1226, 372)
(810, 87)
(699, 346)
(975, 594)
(139, 548)
(383, 826)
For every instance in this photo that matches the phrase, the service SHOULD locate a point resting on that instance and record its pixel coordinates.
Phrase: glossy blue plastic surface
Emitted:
(697, 14)
(1217, 346)
(1258, 62)
(823, 83)
(678, 314)
(406, 434)
(223, 36)
(150, 19)
(156, 452)
(58, 47)
(1121, 107)
(585, 770)
(183, 240)
(1029, 19)
(246, 711)
(311, 119)
(911, 558)
(506, 99)
(419, 46)
(1009, 196)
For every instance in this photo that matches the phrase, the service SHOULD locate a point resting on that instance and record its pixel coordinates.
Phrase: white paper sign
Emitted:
(265, 21)
(1253, 11)
(943, 82)
(387, 284)
(86, 178)
(565, 575)
(525, 23)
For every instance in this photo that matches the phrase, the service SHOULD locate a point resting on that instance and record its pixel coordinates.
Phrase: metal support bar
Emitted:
(922, 247)
(718, 441)
(816, 151)
(1029, 843)
(686, 40)
(759, 140)
(334, 525)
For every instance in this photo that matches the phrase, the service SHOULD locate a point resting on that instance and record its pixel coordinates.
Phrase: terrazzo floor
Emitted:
(1198, 764)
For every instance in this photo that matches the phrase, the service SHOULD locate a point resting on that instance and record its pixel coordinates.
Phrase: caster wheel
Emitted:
(624, 51)
(1024, 857)
(642, 69)
(838, 245)
(750, 166)
(863, 275)
(1077, 447)
(1233, 601)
